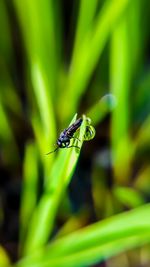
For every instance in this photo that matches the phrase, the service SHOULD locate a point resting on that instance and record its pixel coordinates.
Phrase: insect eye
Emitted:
(89, 133)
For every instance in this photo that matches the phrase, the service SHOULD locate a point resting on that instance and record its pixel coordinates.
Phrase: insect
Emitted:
(63, 140)
(65, 136)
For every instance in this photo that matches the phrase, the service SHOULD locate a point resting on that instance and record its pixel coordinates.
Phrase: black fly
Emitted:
(65, 136)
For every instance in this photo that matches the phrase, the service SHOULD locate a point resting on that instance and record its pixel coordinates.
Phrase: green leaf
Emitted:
(89, 52)
(43, 218)
(128, 196)
(99, 110)
(96, 242)
(4, 259)
(29, 189)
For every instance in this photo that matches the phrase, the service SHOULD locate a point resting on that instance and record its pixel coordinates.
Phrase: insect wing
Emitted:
(72, 128)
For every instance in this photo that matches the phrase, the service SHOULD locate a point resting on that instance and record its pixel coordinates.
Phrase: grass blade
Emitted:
(96, 242)
(90, 50)
(42, 59)
(43, 218)
(120, 75)
(29, 189)
(98, 111)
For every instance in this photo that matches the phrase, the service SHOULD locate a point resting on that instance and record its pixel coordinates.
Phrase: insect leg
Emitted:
(76, 138)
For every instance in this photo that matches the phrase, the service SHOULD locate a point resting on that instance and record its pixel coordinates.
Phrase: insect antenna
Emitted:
(52, 151)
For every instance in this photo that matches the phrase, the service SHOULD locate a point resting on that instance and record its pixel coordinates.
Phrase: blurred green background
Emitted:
(59, 58)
